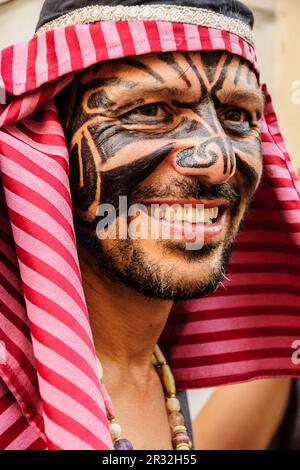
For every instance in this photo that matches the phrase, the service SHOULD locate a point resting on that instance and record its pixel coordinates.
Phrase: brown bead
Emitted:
(168, 380)
(176, 419)
(182, 447)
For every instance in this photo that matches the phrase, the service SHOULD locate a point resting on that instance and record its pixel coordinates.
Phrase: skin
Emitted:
(250, 413)
(163, 126)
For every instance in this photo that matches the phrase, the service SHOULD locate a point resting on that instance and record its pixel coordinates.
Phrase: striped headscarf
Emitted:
(49, 391)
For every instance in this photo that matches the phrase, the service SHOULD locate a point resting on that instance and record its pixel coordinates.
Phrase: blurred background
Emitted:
(277, 28)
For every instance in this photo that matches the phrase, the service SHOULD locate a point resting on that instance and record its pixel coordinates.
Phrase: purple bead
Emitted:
(123, 444)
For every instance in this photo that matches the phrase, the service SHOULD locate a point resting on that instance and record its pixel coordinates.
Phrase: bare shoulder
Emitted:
(242, 416)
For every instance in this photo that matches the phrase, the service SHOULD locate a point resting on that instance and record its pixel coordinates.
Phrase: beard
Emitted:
(127, 262)
(130, 265)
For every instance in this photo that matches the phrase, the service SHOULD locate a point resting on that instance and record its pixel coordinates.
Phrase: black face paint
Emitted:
(123, 179)
(205, 155)
(190, 119)
(109, 137)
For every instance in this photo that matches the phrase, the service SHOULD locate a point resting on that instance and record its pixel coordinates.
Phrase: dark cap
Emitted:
(53, 9)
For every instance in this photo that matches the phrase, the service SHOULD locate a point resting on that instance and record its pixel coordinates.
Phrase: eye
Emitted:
(152, 112)
(237, 115)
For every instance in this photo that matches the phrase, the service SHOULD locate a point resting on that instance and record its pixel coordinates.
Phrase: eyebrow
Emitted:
(96, 83)
(127, 101)
(254, 96)
(144, 67)
(138, 96)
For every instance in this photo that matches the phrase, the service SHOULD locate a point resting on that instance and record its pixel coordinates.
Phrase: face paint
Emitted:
(172, 121)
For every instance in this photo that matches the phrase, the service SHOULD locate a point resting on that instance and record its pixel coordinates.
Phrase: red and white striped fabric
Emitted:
(49, 392)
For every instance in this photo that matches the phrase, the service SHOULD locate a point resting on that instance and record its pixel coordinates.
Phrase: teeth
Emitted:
(155, 213)
(170, 214)
(206, 215)
(180, 213)
(192, 215)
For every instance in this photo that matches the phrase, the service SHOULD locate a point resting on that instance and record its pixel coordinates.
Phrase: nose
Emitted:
(212, 159)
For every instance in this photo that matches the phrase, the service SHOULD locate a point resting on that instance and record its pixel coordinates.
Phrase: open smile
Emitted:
(190, 219)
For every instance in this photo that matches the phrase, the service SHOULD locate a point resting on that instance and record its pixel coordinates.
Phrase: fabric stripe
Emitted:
(52, 189)
(216, 39)
(24, 440)
(29, 104)
(235, 46)
(48, 64)
(33, 213)
(57, 434)
(52, 165)
(2, 86)
(192, 37)
(86, 45)
(32, 54)
(41, 64)
(54, 149)
(98, 41)
(139, 36)
(125, 38)
(62, 402)
(38, 203)
(19, 68)
(52, 59)
(221, 347)
(62, 51)
(166, 34)
(112, 39)
(54, 245)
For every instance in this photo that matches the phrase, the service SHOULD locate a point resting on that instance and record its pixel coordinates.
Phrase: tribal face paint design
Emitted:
(124, 118)
(163, 127)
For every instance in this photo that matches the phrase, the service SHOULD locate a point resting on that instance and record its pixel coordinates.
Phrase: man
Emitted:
(177, 130)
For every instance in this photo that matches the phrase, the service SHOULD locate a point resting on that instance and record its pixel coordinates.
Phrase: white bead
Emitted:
(183, 447)
(115, 430)
(193, 15)
(173, 404)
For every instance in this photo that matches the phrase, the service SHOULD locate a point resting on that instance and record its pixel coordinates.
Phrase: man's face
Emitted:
(166, 128)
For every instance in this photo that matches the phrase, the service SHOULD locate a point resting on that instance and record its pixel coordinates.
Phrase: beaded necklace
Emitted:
(180, 438)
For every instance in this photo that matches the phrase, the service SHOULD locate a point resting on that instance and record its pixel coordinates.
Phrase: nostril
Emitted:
(184, 157)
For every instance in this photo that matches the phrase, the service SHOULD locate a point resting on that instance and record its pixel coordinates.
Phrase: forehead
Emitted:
(180, 70)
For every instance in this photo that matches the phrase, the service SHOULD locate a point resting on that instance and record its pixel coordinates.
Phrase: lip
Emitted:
(200, 233)
(207, 203)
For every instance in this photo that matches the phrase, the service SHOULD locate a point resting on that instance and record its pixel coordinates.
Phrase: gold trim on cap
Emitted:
(171, 13)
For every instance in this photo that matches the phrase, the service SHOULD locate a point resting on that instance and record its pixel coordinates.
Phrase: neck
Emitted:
(125, 324)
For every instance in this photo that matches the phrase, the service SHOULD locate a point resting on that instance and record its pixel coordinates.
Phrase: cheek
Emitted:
(249, 163)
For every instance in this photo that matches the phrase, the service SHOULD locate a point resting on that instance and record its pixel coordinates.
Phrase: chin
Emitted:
(165, 270)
